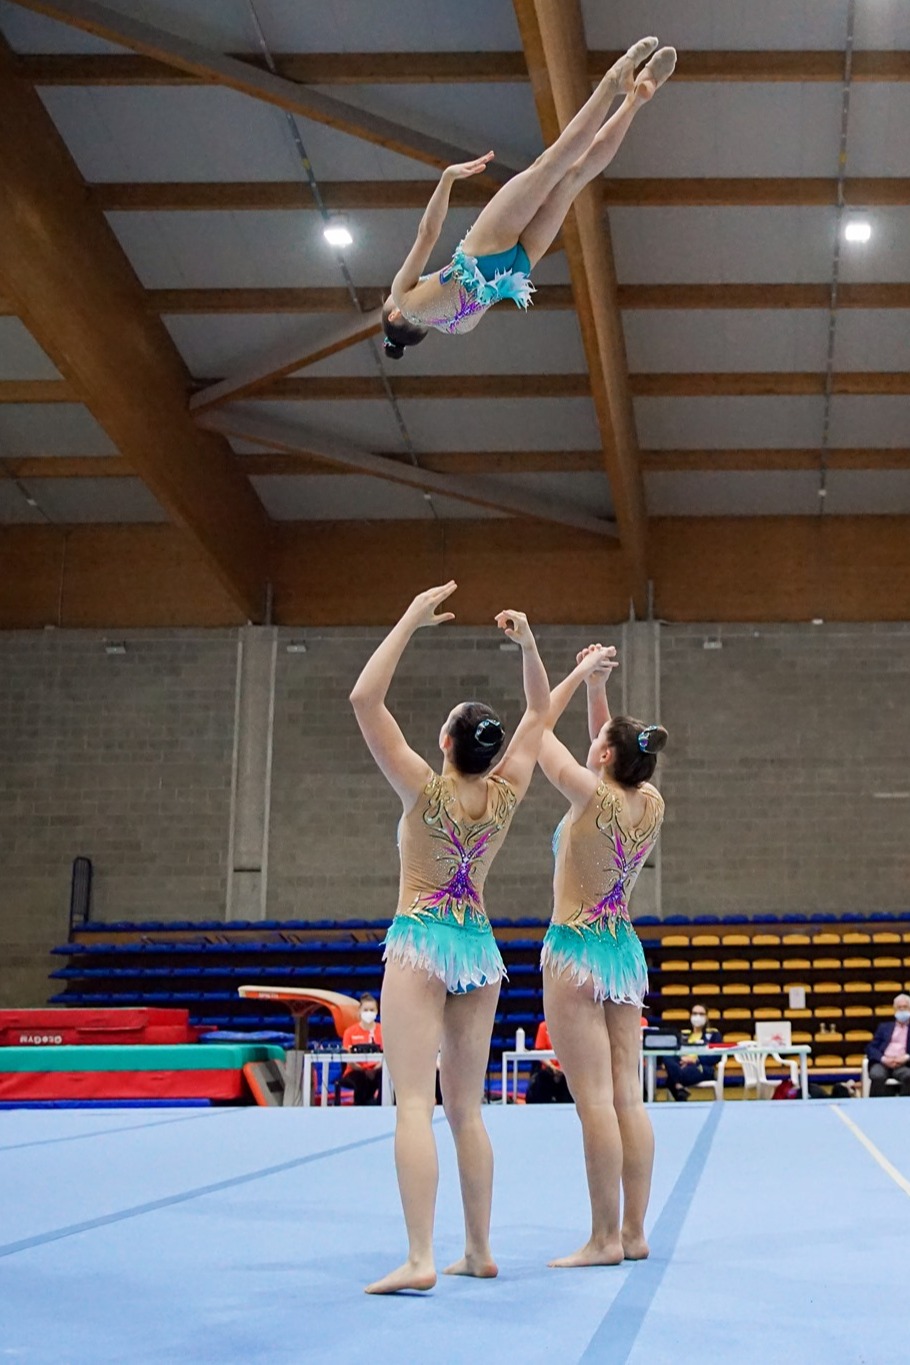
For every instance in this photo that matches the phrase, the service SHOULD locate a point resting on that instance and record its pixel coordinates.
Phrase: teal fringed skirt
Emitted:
(463, 956)
(616, 966)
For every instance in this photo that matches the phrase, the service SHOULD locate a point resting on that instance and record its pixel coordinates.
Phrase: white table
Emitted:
(298, 1075)
(720, 1054)
(510, 1061)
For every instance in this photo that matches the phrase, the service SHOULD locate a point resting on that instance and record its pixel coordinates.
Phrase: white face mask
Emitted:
(902, 1016)
(367, 1017)
(699, 1020)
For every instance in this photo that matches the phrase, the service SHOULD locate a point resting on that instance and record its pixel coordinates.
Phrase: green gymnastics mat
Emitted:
(177, 1057)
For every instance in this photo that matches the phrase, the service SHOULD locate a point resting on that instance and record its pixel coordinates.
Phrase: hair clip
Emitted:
(482, 729)
(643, 737)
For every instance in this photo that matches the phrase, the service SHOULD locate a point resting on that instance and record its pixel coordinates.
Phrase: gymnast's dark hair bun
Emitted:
(392, 350)
(477, 736)
(635, 748)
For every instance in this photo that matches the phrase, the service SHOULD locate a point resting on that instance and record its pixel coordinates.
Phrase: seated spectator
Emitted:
(548, 1084)
(688, 1070)
(364, 1078)
(889, 1051)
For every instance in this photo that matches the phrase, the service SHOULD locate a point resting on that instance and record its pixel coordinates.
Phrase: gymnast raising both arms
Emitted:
(594, 973)
(515, 229)
(443, 968)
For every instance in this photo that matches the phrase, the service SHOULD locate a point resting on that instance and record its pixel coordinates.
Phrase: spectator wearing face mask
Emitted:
(688, 1070)
(364, 1078)
(889, 1051)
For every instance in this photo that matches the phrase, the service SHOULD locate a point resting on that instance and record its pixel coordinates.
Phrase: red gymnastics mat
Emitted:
(63, 1027)
(206, 1071)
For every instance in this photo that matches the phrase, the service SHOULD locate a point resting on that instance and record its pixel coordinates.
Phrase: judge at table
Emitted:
(691, 1068)
(364, 1078)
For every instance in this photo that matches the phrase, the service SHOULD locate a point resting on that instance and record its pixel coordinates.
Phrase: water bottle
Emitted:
(519, 1040)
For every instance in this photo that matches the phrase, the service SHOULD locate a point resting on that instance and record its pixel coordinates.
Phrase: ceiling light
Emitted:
(115, 647)
(858, 230)
(336, 231)
(296, 647)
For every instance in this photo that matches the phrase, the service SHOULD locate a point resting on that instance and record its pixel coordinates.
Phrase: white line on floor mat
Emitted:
(873, 1151)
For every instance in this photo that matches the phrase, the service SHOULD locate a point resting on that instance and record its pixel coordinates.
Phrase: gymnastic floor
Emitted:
(247, 1235)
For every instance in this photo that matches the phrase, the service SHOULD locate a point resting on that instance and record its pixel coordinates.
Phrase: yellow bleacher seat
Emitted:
(906, 936)
(766, 1013)
(766, 988)
(736, 988)
(705, 964)
(907, 961)
(673, 1016)
(828, 1012)
(705, 941)
(797, 986)
(797, 1036)
(826, 938)
(766, 940)
(735, 964)
(736, 1036)
(795, 938)
(673, 989)
(736, 940)
(858, 1035)
(795, 964)
(705, 988)
(853, 936)
(675, 941)
(884, 1011)
(680, 966)
(881, 962)
(855, 1059)
(825, 1060)
(830, 1037)
(856, 1012)
(766, 964)
(886, 936)
(827, 988)
(888, 988)
(737, 1014)
(797, 1014)
(827, 964)
(858, 987)
(857, 962)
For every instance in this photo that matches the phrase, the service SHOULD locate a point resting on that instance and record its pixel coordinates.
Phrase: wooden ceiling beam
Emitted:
(451, 68)
(302, 464)
(364, 388)
(284, 360)
(73, 287)
(553, 40)
(629, 192)
(315, 300)
(247, 78)
(279, 436)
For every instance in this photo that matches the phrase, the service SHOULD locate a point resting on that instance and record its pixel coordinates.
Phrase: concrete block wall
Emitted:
(780, 742)
(124, 758)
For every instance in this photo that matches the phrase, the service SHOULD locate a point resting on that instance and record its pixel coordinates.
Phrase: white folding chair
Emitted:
(867, 1080)
(752, 1062)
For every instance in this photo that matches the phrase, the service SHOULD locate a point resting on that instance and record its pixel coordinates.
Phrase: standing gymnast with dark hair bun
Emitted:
(594, 973)
(443, 968)
(516, 228)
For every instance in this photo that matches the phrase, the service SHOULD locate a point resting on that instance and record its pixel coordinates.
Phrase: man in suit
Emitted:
(689, 1070)
(889, 1051)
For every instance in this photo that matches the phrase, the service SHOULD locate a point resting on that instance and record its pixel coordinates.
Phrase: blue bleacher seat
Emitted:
(677, 919)
(822, 918)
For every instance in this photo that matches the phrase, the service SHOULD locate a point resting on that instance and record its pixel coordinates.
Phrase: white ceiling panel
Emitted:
(405, 26)
(878, 420)
(737, 129)
(485, 424)
(20, 355)
(879, 120)
(27, 32)
(14, 510)
(205, 132)
(723, 245)
(882, 492)
(478, 117)
(717, 24)
(725, 340)
(326, 497)
(121, 501)
(588, 492)
(211, 250)
(51, 429)
(214, 345)
(882, 24)
(704, 494)
(872, 339)
(885, 259)
(728, 423)
(368, 424)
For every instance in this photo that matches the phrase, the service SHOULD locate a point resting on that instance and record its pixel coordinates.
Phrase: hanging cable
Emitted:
(341, 262)
(836, 267)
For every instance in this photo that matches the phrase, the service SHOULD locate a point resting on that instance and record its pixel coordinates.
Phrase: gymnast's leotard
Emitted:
(467, 287)
(441, 926)
(598, 859)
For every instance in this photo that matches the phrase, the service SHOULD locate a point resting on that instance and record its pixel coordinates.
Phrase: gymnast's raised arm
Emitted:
(518, 763)
(430, 226)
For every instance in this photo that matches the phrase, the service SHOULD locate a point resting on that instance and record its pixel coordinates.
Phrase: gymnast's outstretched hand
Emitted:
(422, 611)
(462, 170)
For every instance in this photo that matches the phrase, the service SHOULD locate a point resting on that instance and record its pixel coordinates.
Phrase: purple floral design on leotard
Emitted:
(460, 853)
(459, 896)
(468, 305)
(614, 907)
